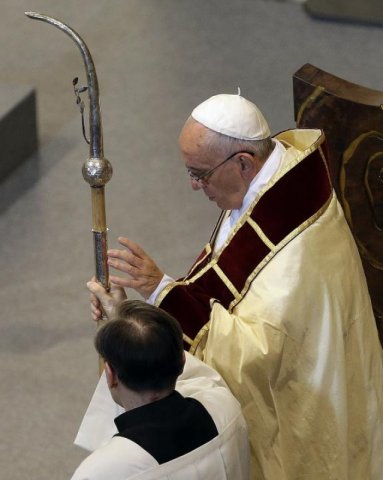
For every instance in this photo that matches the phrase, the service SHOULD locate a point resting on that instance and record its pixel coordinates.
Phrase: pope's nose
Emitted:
(195, 184)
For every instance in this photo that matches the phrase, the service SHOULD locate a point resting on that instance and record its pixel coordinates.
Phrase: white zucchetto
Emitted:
(232, 115)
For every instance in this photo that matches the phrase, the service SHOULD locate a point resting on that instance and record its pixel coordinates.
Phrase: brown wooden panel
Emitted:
(352, 118)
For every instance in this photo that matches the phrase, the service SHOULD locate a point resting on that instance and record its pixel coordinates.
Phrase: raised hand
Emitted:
(143, 274)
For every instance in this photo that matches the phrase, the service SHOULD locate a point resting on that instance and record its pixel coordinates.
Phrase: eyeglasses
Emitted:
(202, 177)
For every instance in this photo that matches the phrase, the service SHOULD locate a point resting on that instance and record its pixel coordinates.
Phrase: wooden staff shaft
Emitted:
(100, 229)
(98, 209)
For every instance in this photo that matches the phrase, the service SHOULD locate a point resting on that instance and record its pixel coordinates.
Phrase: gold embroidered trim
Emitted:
(260, 233)
(226, 281)
(294, 233)
(187, 339)
(200, 335)
(296, 157)
(165, 291)
(320, 150)
(207, 249)
(194, 277)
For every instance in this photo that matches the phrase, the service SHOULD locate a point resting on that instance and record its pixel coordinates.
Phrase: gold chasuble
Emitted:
(299, 194)
(283, 313)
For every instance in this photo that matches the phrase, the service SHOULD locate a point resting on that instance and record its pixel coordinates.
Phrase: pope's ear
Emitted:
(247, 163)
(250, 165)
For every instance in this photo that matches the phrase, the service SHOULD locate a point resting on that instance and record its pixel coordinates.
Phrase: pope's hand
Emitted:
(143, 274)
(103, 301)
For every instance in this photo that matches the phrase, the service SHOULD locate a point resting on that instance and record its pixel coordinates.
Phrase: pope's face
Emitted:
(226, 186)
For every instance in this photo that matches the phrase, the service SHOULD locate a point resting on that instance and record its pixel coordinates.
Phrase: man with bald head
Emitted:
(277, 301)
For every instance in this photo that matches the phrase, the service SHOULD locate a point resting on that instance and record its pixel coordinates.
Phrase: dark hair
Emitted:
(143, 344)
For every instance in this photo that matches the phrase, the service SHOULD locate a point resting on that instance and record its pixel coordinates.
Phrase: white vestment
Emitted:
(117, 458)
(298, 344)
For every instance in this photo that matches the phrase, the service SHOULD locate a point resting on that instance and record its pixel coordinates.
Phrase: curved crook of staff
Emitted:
(97, 170)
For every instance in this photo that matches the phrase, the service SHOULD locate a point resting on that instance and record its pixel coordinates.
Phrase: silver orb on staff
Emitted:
(97, 170)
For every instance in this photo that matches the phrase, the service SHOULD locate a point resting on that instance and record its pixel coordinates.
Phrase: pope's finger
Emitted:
(121, 281)
(132, 246)
(125, 267)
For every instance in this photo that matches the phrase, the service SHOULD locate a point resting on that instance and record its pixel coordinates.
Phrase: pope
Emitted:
(277, 301)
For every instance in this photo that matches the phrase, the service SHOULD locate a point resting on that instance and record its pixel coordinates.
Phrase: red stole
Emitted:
(283, 211)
